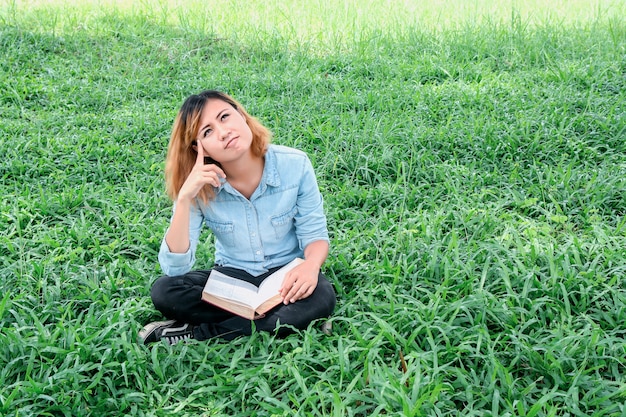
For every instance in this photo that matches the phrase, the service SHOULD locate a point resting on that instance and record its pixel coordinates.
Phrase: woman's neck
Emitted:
(245, 174)
(244, 168)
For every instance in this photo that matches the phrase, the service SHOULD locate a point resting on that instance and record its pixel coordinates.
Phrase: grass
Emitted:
(474, 177)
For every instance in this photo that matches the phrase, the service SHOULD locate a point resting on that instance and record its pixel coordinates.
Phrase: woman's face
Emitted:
(223, 131)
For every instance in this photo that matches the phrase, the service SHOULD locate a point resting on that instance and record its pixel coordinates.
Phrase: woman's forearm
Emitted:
(177, 237)
(316, 252)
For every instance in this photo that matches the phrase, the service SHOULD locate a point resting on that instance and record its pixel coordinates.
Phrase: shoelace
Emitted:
(171, 340)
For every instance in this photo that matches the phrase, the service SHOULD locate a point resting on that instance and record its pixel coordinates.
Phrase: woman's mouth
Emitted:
(231, 142)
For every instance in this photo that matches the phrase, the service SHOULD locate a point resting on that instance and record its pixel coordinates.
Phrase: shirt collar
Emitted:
(270, 171)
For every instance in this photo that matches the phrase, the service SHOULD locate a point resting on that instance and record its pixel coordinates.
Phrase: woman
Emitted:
(262, 204)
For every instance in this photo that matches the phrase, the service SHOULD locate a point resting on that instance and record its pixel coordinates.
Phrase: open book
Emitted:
(241, 297)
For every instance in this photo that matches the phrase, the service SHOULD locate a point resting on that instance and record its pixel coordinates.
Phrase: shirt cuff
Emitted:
(174, 264)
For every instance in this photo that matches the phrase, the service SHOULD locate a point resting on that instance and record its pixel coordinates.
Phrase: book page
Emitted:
(229, 288)
(270, 286)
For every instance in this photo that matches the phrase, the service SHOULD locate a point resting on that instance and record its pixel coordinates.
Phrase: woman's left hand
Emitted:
(300, 282)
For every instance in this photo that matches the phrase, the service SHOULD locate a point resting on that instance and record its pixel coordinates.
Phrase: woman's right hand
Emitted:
(200, 176)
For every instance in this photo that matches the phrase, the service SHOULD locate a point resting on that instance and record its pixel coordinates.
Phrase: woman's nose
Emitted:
(223, 132)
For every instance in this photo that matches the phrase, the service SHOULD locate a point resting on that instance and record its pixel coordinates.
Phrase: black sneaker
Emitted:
(170, 331)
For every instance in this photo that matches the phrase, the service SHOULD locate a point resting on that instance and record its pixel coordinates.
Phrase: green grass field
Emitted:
(473, 161)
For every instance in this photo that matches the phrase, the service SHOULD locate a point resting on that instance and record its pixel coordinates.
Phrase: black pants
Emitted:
(179, 298)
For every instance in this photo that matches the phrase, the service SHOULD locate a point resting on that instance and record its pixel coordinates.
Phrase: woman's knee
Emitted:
(326, 294)
(160, 292)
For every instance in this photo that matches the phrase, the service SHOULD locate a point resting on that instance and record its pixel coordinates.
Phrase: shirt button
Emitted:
(253, 234)
(258, 252)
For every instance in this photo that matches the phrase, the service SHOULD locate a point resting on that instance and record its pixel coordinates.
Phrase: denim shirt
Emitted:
(284, 215)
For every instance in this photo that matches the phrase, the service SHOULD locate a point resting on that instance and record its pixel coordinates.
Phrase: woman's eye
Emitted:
(207, 133)
(224, 116)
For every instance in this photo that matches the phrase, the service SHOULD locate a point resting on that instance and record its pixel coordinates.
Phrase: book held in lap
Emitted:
(243, 298)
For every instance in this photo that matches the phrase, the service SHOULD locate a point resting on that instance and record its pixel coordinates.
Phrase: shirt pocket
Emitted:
(224, 231)
(282, 223)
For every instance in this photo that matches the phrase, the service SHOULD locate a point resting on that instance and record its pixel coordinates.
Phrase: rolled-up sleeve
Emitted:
(174, 264)
(310, 220)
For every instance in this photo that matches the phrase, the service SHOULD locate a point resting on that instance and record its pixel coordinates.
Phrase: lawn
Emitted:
(472, 159)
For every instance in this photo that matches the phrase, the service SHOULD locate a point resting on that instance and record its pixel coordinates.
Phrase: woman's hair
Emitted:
(181, 156)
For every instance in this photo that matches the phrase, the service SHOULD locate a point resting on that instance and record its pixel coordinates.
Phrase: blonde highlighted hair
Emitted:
(181, 156)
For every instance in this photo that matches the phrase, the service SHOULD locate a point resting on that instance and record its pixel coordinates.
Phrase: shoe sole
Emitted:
(327, 328)
(149, 329)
